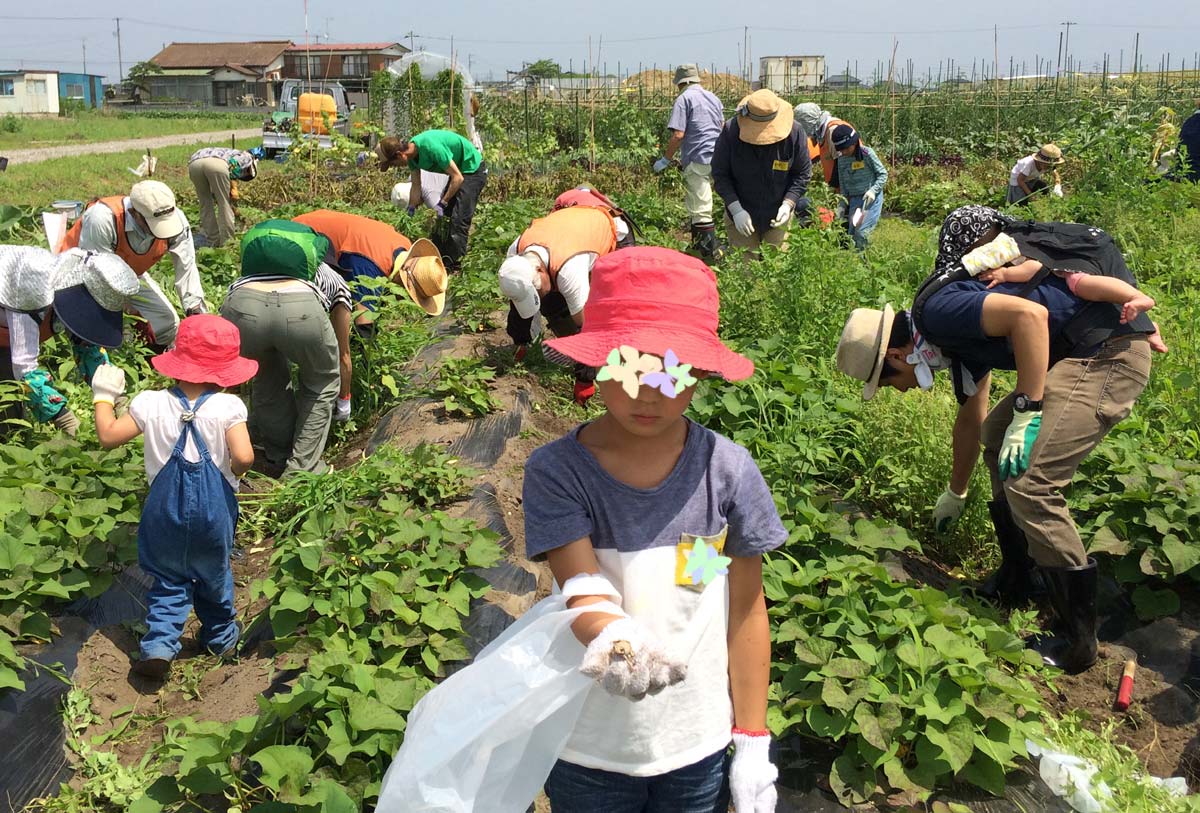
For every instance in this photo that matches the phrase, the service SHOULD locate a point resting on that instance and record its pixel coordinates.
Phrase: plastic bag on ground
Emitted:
(485, 739)
(1072, 778)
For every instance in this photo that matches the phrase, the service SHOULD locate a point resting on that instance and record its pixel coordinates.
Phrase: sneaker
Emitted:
(584, 390)
(152, 668)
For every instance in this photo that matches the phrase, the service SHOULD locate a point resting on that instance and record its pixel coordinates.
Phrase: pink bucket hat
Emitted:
(207, 349)
(654, 300)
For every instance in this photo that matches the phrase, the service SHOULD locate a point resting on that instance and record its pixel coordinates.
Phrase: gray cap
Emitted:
(809, 117)
(687, 74)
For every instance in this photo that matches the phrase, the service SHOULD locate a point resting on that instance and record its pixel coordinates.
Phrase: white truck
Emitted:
(277, 129)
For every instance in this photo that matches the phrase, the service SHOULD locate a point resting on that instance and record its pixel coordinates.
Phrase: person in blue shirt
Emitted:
(696, 120)
(1079, 366)
(861, 176)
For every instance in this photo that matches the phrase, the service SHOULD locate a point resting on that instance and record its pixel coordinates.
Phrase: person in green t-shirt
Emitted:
(449, 153)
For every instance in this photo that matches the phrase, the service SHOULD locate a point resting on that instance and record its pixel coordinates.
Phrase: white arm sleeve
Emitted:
(622, 228)
(23, 341)
(187, 274)
(512, 250)
(99, 230)
(574, 281)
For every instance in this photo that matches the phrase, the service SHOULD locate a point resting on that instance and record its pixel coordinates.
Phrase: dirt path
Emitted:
(46, 153)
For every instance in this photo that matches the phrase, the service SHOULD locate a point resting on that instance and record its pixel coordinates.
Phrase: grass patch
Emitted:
(19, 133)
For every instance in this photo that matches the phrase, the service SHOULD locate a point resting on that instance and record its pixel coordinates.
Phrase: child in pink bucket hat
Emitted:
(196, 448)
(647, 509)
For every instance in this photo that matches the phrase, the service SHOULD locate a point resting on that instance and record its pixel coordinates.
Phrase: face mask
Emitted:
(927, 359)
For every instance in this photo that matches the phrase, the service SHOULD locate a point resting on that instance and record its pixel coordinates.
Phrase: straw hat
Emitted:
(1049, 154)
(863, 345)
(687, 74)
(421, 271)
(763, 118)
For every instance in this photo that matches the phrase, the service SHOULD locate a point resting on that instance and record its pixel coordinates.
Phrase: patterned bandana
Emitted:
(961, 229)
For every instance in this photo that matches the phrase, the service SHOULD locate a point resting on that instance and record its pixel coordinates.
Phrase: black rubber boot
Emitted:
(704, 241)
(1018, 580)
(1073, 595)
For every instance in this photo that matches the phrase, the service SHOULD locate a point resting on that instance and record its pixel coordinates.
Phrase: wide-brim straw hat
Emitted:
(687, 74)
(207, 351)
(1049, 154)
(423, 274)
(861, 350)
(763, 118)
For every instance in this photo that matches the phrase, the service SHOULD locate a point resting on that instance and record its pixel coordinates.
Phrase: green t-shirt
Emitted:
(437, 148)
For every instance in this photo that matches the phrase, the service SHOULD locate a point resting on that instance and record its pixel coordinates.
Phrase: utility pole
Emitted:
(412, 48)
(327, 19)
(85, 56)
(1058, 66)
(120, 63)
(746, 51)
(1067, 46)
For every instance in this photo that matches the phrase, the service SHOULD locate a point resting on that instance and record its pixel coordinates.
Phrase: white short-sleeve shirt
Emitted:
(156, 412)
(575, 276)
(1027, 167)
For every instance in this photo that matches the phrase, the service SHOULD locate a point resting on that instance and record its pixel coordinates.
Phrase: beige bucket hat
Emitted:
(863, 345)
(763, 118)
(421, 271)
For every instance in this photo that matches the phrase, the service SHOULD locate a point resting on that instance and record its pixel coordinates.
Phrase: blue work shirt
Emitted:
(698, 114)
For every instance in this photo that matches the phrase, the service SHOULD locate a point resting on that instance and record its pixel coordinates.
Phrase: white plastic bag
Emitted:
(485, 739)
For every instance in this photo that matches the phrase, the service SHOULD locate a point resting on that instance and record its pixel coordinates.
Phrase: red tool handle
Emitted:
(1125, 688)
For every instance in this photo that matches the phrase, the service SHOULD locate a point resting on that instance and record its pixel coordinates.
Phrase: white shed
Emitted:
(788, 74)
(28, 92)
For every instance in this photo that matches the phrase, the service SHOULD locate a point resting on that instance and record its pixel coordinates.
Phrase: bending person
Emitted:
(548, 274)
(446, 152)
(292, 308)
(1080, 367)
(79, 292)
(214, 171)
(141, 229)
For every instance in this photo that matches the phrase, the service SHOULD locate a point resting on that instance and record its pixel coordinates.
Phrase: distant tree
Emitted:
(139, 75)
(543, 69)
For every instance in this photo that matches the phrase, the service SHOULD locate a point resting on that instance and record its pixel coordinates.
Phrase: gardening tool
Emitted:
(1125, 688)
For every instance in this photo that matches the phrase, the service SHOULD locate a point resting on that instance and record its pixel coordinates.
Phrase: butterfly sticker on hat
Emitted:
(633, 370)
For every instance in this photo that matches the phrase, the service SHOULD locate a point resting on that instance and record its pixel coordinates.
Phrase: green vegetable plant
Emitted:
(463, 384)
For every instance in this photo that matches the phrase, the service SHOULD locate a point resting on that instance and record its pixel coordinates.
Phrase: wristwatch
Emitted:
(1022, 403)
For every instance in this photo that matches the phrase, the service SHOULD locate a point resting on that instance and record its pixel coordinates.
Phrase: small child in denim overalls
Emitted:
(197, 446)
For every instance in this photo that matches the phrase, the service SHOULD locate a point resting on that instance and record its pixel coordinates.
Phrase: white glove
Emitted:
(661, 164)
(628, 661)
(1058, 193)
(948, 510)
(868, 198)
(741, 219)
(783, 215)
(341, 411)
(108, 382)
(752, 775)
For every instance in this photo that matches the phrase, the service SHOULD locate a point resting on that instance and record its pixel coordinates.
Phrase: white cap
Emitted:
(155, 201)
(518, 282)
(400, 193)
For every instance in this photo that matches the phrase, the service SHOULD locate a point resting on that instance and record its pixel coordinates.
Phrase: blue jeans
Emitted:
(702, 787)
(184, 541)
(870, 219)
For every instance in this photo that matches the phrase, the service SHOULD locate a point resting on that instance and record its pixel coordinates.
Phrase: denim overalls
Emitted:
(184, 542)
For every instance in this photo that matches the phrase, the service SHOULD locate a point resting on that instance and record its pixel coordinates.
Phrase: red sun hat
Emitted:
(654, 300)
(206, 351)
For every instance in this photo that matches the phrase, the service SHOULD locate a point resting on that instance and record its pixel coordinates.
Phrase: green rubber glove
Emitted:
(45, 401)
(1018, 443)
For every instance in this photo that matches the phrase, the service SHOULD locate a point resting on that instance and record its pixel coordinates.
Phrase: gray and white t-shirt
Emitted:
(645, 544)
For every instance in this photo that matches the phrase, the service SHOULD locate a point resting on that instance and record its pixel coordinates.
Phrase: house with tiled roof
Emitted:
(219, 73)
(351, 63)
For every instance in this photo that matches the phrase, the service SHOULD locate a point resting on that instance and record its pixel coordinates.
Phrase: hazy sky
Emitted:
(499, 35)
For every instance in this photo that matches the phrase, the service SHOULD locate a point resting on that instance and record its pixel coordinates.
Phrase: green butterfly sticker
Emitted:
(704, 563)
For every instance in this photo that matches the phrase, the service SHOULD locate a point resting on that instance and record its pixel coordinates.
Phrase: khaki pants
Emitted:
(772, 237)
(1084, 399)
(281, 328)
(210, 176)
(698, 198)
